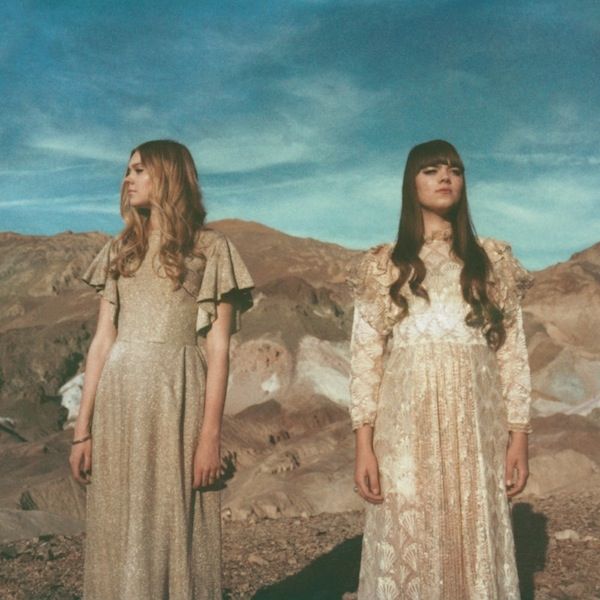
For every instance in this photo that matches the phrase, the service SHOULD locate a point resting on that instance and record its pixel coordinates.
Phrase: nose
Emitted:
(444, 173)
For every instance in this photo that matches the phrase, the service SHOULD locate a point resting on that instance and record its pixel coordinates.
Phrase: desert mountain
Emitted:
(287, 437)
(563, 327)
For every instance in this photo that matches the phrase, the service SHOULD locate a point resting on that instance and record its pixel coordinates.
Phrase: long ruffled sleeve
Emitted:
(373, 321)
(99, 277)
(510, 281)
(225, 278)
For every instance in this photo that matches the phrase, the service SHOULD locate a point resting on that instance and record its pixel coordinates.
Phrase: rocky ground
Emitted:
(317, 558)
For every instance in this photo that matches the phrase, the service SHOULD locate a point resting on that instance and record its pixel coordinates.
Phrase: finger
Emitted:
(75, 463)
(74, 469)
(373, 482)
(361, 487)
(509, 474)
(204, 478)
(370, 495)
(87, 462)
(522, 475)
(516, 487)
(195, 477)
(196, 481)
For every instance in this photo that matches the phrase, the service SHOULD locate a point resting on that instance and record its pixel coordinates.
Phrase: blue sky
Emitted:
(300, 113)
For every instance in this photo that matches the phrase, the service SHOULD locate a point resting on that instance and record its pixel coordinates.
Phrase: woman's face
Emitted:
(439, 187)
(138, 182)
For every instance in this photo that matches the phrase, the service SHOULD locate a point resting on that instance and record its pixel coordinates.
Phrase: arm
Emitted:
(367, 348)
(516, 389)
(106, 332)
(207, 460)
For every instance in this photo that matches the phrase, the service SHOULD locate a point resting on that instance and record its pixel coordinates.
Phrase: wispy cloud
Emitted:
(300, 114)
(79, 145)
(546, 217)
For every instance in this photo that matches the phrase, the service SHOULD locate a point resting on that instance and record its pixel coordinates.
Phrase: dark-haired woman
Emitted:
(148, 432)
(440, 396)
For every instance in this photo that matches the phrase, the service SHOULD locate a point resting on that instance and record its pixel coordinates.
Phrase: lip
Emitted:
(444, 190)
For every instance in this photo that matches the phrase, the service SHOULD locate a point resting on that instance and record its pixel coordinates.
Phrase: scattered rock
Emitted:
(275, 558)
(255, 559)
(567, 534)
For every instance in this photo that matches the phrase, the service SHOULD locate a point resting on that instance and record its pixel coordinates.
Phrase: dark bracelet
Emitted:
(83, 439)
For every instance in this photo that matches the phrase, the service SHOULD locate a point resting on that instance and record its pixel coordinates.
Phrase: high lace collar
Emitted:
(442, 235)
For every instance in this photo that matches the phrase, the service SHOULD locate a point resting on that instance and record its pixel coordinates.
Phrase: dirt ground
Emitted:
(317, 558)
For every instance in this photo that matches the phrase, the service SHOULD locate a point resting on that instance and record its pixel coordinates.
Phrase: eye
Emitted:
(456, 171)
(138, 171)
(429, 170)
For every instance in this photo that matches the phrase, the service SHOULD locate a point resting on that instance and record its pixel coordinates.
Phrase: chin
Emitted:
(442, 208)
(138, 205)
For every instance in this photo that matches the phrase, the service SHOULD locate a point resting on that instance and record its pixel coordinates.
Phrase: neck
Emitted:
(153, 224)
(434, 222)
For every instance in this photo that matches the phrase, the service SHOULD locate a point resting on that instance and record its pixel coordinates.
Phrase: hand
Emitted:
(207, 462)
(366, 475)
(80, 461)
(517, 470)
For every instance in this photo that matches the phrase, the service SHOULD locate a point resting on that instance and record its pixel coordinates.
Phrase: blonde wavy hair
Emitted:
(177, 200)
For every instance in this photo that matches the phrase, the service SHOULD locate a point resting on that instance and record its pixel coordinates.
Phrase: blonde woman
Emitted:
(442, 424)
(146, 442)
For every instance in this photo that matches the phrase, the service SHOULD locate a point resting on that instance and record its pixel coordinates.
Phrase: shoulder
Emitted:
(374, 266)
(109, 249)
(507, 271)
(210, 241)
(496, 250)
(379, 256)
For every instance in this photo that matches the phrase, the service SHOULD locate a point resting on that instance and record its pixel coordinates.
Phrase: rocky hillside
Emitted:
(563, 327)
(287, 437)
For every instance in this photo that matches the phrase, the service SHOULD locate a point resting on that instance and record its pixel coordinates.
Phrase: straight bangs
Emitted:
(437, 152)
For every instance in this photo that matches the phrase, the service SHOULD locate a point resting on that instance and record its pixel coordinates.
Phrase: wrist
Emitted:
(210, 435)
(364, 437)
(519, 439)
(364, 447)
(81, 430)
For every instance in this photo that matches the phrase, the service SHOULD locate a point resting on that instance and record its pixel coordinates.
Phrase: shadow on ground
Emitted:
(328, 577)
(531, 545)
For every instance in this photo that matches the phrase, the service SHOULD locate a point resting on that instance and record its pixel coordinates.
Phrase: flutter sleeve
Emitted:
(369, 279)
(225, 279)
(510, 283)
(99, 276)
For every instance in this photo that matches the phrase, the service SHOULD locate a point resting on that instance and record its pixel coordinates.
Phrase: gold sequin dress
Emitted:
(149, 535)
(442, 403)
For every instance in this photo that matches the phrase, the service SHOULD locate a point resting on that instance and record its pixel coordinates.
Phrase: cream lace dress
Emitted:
(441, 403)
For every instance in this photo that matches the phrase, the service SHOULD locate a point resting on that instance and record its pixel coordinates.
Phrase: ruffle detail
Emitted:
(98, 276)
(225, 278)
(370, 276)
(522, 427)
(509, 280)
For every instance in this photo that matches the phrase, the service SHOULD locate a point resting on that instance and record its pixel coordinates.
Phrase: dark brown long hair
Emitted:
(476, 265)
(176, 198)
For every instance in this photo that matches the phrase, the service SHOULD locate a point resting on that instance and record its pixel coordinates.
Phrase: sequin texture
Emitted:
(149, 534)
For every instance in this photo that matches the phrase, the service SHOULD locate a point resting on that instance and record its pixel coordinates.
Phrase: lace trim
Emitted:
(508, 281)
(444, 235)
(524, 427)
(370, 277)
